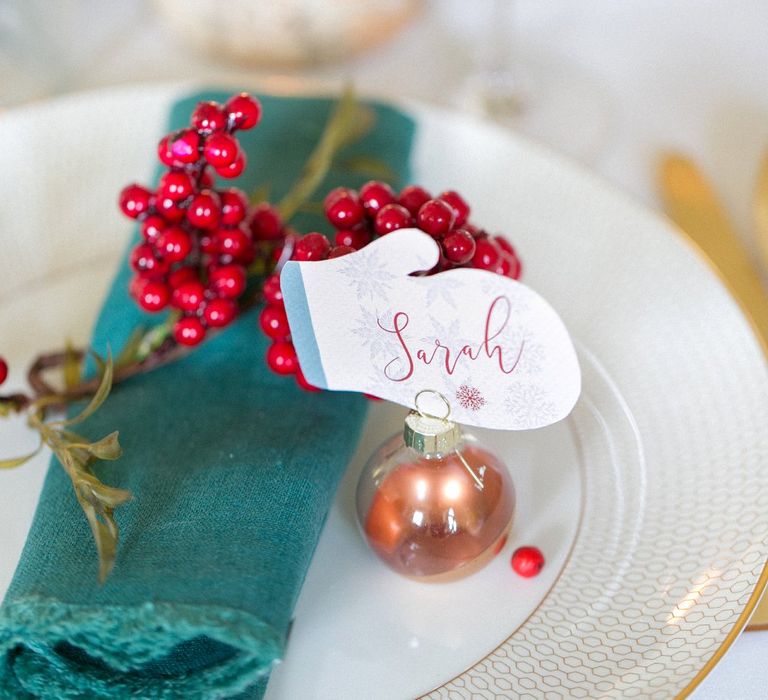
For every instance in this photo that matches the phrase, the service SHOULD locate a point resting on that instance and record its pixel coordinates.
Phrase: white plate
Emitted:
(646, 501)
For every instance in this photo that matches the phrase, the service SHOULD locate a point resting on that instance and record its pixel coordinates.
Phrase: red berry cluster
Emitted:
(376, 210)
(3, 370)
(197, 240)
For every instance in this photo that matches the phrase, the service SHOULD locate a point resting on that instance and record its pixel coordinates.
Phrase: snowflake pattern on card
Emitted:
(532, 358)
(470, 397)
(443, 292)
(529, 405)
(380, 345)
(368, 276)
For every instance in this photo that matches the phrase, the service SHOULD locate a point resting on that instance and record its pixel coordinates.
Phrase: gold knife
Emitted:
(761, 208)
(692, 204)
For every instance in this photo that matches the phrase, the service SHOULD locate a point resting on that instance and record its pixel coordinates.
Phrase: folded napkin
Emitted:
(233, 469)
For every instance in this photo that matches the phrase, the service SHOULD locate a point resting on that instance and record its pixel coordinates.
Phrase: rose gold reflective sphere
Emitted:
(436, 517)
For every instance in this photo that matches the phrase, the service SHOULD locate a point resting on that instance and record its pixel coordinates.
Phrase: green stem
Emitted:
(348, 122)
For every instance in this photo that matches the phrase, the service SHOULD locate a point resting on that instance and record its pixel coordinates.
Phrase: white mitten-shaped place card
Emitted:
(491, 346)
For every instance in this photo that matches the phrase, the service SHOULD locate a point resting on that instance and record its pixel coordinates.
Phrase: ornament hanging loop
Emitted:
(440, 396)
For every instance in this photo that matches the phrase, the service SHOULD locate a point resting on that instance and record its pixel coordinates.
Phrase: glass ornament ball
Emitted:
(433, 503)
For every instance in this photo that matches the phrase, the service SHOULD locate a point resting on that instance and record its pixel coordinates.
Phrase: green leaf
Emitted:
(156, 336)
(98, 503)
(99, 397)
(349, 121)
(18, 461)
(369, 167)
(99, 360)
(260, 194)
(107, 448)
(72, 366)
(77, 456)
(130, 350)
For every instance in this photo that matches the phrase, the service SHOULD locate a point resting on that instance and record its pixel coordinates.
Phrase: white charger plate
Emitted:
(646, 501)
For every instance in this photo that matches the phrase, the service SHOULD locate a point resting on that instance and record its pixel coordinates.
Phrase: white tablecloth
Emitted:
(636, 77)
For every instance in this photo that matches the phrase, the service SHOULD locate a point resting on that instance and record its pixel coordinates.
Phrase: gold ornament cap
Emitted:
(428, 433)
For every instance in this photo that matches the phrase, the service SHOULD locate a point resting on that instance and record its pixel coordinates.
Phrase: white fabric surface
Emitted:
(636, 77)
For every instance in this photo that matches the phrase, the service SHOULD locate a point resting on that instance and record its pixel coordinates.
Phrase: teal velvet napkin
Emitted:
(233, 470)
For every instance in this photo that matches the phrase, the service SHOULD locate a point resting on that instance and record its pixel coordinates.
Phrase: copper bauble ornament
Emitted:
(432, 502)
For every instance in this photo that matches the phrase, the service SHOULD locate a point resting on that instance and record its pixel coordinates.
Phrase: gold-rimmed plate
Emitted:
(646, 501)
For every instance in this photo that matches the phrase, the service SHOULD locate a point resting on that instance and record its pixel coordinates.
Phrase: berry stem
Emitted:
(348, 123)
(154, 350)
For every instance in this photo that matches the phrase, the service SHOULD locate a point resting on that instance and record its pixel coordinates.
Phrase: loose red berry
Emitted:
(274, 322)
(220, 312)
(281, 357)
(189, 295)
(169, 209)
(486, 255)
(235, 168)
(221, 150)
(527, 561)
(345, 211)
(234, 206)
(413, 198)
(228, 280)
(460, 207)
(233, 242)
(391, 218)
(183, 274)
(175, 185)
(153, 296)
(174, 244)
(185, 146)
(144, 261)
(339, 251)
(204, 209)
(209, 117)
(313, 246)
(189, 331)
(459, 247)
(135, 200)
(152, 227)
(301, 380)
(3, 370)
(435, 218)
(374, 195)
(354, 238)
(271, 290)
(244, 111)
(266, 224)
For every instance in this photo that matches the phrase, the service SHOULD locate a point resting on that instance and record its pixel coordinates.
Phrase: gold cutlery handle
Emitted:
(692, 204)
